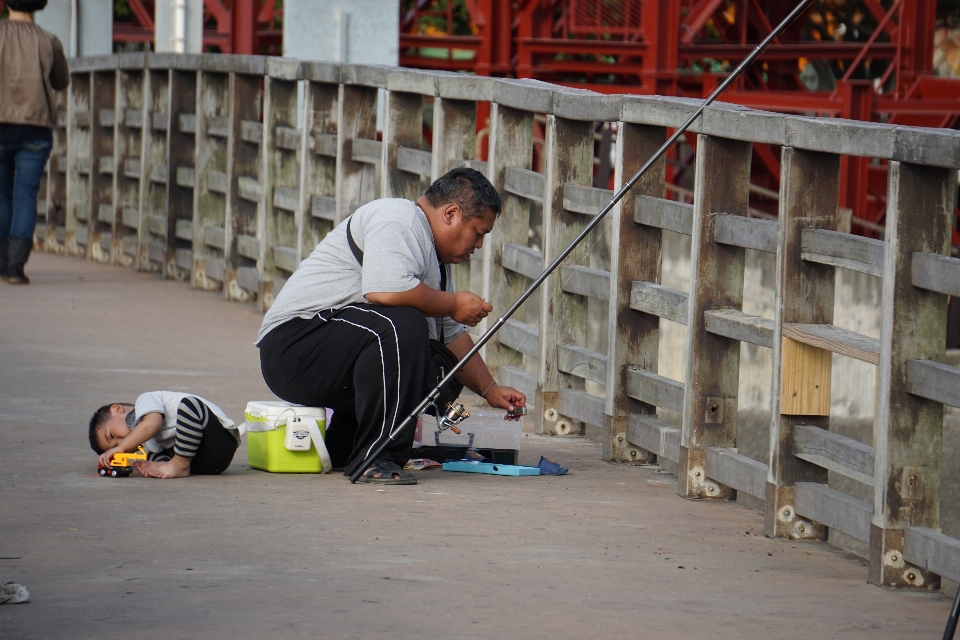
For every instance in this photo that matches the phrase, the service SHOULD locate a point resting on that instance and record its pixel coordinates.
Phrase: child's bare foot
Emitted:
(177, 467)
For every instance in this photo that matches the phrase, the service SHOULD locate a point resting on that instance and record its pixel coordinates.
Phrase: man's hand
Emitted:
(107, 455)
(470, 308)
(504, 397)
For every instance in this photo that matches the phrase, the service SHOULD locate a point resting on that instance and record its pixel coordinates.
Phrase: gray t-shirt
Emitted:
(167, 403)
(398, 254)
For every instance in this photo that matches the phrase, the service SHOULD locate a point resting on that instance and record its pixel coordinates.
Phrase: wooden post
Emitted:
(103, 173)
(243, 275)
(211, 177)
(359, 152)
(569, 160)
(809, 193)
(402, 129)
(913, 325)
(128, 174)
(716, 282)
(634, 336)
(182, 139)
(318, 204)
(79, 163)
(279, 226)
(511, 145)
(155, 169)
(56, 212)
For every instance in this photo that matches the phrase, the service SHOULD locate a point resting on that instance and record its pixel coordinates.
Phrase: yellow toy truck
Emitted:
(121, 464)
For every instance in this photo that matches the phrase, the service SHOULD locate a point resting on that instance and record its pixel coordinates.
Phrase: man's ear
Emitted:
(450, 212)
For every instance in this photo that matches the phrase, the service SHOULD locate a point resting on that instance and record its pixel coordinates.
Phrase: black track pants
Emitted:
(202, 438)
(368, 363)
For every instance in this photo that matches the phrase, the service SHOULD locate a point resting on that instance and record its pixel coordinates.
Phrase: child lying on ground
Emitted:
(183, 434)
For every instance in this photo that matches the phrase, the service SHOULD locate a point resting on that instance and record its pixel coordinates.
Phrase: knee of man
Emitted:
(411, 325)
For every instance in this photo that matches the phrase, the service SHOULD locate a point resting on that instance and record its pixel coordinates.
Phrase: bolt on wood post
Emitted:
(716, 282)
(633, 336)
(318, 175)
(511, 145)
(212, 177)
(103, 172)
(357, 175)
(128, 174)
(280, 223)
(79, 162)
(563, 316)
(809, 194)
(155, 169)
(182, 175)
(912, 326)
(243, 278)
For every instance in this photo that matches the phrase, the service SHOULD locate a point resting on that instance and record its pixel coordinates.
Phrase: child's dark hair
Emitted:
(27, 6)
(100, 416)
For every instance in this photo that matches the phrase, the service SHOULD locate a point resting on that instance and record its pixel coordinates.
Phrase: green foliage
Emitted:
(437, 24)
(121, 10)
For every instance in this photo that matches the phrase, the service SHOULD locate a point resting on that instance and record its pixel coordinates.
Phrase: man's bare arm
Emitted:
(476, 377)
(463, 306)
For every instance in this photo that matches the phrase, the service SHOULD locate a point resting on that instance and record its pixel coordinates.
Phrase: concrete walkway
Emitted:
(607, 551)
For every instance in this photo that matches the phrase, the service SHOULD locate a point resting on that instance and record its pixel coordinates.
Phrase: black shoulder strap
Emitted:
(353, 245)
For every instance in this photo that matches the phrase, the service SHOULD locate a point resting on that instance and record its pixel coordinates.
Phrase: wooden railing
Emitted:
(205, 169)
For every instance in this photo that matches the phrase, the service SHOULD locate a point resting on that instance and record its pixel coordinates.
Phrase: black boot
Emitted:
(18, 251)
(3, 261)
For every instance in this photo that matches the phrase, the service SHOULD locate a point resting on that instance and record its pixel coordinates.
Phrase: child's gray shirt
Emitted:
(166, 403)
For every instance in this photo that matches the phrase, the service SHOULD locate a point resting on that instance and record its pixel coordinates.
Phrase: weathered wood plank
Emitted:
(184, 229)
(521, 259)
(833, 509)
(286, 198)
(218, 127)
(215, 237)
(654, 436)
(933, 551)
(84, 165)
(157, 224)
(843, 250)
(366, 151)
(524, 183)
(749, 233)
(325, 144)
(834, 452)
(402, 128)
(414, 161)
(249, 189)
(287, 138)
(183, 259)
(835, 339)
(286, 258)
(934, 381)
(160, 121)
(324, 207)
(521, 337)
(737, 471)
(159, 173)
(251, 132)
(654, 389)
(107, 118)
(131, 168)
(585, 281)
(186, 177)
(525, 383)
(582, 362)
(740, 326)
(248, 278)
(580, 405)
(213, 268)
(664, 214)
(187, 123)
(248, 246)
(128, 245)
(658, 300)
(130, 217)
(106, 214)
(106, 165)
(938, 273)
(585, 200)
(133, 118)
(218, 182)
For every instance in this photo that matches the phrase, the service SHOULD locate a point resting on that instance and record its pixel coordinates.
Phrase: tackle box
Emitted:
(496, 439)
(266, 430)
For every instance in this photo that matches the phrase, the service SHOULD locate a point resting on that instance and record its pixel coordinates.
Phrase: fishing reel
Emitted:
(453, 415)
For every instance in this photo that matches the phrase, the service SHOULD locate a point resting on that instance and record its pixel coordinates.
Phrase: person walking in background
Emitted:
(32, 67)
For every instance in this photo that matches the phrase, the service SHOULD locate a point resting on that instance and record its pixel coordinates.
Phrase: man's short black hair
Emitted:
(27, 6)
(468, 188)
(100, 416)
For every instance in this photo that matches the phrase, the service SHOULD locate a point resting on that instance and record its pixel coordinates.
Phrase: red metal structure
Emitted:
(229, 26)
(868, 60)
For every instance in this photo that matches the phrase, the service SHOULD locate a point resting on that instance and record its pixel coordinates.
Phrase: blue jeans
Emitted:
(21, 169)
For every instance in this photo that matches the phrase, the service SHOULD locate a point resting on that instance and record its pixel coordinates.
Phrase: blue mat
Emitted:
(490, 468)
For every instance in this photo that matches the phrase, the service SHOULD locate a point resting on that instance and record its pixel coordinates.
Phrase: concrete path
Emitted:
(607, 551)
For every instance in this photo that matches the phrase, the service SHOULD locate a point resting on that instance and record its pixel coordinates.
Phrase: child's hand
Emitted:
(107, 455)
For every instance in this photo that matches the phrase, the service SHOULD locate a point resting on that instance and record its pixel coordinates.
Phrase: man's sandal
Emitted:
(387, 472)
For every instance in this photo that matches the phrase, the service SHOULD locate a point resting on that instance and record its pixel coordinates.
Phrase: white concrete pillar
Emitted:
(178, 26)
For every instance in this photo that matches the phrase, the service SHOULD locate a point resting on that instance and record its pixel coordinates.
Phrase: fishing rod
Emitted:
(431, 397)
